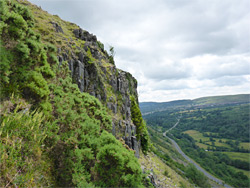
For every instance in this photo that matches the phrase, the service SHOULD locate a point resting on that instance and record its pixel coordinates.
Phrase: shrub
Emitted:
(100, 45)
(116, 166)
(196, 176)
(5, 61)
(22, 134)
(24, 58)
(90, 57)
(141, 129)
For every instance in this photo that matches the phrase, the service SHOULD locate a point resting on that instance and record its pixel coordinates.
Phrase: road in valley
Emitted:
(164, 134)
(191, 161)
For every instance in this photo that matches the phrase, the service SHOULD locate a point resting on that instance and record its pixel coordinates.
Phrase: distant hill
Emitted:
(148, 107)
(223, 99)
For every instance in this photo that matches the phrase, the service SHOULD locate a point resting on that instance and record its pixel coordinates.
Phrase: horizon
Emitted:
(166, 46)
(195, 98)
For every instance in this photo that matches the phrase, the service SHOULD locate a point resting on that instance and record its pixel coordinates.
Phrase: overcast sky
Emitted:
(176, 49)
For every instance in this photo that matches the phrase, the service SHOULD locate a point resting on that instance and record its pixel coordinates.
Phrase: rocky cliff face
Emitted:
(94, 71)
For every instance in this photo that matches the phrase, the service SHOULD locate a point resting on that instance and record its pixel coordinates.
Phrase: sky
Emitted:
(176, 49)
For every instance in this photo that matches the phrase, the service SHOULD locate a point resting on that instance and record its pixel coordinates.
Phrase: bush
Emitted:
(24, 58)
(116, 166)
(196, 176)
(90, 155)
(141, 128)
(22, 133)
(5, 59)
(90, 57)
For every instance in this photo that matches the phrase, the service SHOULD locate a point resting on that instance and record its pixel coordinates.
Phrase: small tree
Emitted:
(112, 51)
(112, 54)
(196, 176)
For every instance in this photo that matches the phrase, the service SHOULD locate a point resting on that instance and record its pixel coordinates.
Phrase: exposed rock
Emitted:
(71, 66)
(135, 146)
(152, 178)
(85, 35)
(60, 59)
(57, 27)
(81, 56)
(122, 83)
(113, 129)
(130, 138)
(112, 106)
(93, 78)
(65, 56)
(79, 74)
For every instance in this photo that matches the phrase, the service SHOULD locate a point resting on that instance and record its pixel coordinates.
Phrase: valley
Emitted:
(71, 117)
(215, 135)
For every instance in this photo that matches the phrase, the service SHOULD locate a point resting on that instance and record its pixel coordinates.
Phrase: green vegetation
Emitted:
(141, 128)
(165, 119)
(222, 130)
(51, 133)
(90, 57)
(166, 176)
(216, 163)
(243, 98)
(203, 140)
(147, 107)
(164, 150)
(23, 161)
(24, 62)
(112, 55)
(196, 176)
(239, 156)
(245, 145)
(231, 122)
(163, 145)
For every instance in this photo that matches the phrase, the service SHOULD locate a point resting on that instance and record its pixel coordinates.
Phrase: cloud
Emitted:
(167, 70)
(212, 66)
(176, 49)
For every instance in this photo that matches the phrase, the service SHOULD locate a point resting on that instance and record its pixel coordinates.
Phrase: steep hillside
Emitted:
(69, 117)
(93, 70)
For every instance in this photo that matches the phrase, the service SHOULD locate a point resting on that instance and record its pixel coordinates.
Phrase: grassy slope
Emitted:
(65, 40)
(197, 136)
(245, 145)
(237, 155)
(165, 175)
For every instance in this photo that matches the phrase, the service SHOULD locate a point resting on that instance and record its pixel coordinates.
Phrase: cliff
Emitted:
(63, 103)
(94, 71)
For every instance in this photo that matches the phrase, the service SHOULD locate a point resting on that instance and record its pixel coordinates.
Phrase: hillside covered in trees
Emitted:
(215, 133)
